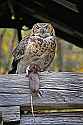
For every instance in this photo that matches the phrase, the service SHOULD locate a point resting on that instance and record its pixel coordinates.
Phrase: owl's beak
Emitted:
(42, 31)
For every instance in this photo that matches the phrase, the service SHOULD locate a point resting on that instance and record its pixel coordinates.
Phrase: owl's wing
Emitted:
(18, 52)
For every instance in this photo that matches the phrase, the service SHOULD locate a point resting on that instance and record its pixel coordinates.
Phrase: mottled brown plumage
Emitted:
(38, 48)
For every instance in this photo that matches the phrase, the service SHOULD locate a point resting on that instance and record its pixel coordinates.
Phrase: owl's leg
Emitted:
(21, 68)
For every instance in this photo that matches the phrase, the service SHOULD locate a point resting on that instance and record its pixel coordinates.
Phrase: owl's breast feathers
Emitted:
(35, 49)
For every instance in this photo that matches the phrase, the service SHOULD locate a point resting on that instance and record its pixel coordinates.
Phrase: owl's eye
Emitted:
(46, 27)
(37, 27)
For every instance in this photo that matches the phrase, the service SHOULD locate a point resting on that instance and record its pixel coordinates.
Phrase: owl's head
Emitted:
(42, 30)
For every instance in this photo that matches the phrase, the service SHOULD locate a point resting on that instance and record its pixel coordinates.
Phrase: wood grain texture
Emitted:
(53, 119)
(11, 113)
(58, 89)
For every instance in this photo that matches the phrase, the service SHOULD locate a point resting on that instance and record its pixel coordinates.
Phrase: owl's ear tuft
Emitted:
(51, 30)
(32, 32)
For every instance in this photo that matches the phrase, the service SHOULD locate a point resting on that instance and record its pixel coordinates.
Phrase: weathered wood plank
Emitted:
(58, 90)
(11, 113)
(53, 119)
(16, 80)
(49, 98)
(47, 80)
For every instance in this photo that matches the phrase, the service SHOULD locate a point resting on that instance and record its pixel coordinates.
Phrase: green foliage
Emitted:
(6, 54)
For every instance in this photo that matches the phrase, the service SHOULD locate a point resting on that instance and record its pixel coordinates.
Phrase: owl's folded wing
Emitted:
(18, 52)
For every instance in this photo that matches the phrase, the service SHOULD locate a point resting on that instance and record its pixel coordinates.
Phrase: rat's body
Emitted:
(33, 73)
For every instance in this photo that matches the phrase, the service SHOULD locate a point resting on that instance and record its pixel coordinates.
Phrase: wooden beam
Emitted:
(10, 23)
(53, 119)
(59, 90)
(62, 30)
(68, 5)
(11, 114)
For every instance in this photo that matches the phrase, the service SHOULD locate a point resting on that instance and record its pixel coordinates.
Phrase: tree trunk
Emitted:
(60, 54)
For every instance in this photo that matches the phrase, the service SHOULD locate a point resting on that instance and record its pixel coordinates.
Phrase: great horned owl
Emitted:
(38, 48)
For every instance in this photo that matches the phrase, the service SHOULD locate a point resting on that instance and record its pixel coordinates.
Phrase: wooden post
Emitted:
(19, 35)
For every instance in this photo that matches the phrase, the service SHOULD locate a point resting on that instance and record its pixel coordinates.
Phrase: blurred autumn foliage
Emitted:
(69, 57)
(8, 38)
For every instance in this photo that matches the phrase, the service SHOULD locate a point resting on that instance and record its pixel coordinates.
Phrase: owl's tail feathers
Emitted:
(33, 75)
(14, 67)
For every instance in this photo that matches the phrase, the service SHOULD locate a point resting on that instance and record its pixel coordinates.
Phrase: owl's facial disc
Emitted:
(42, 30)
